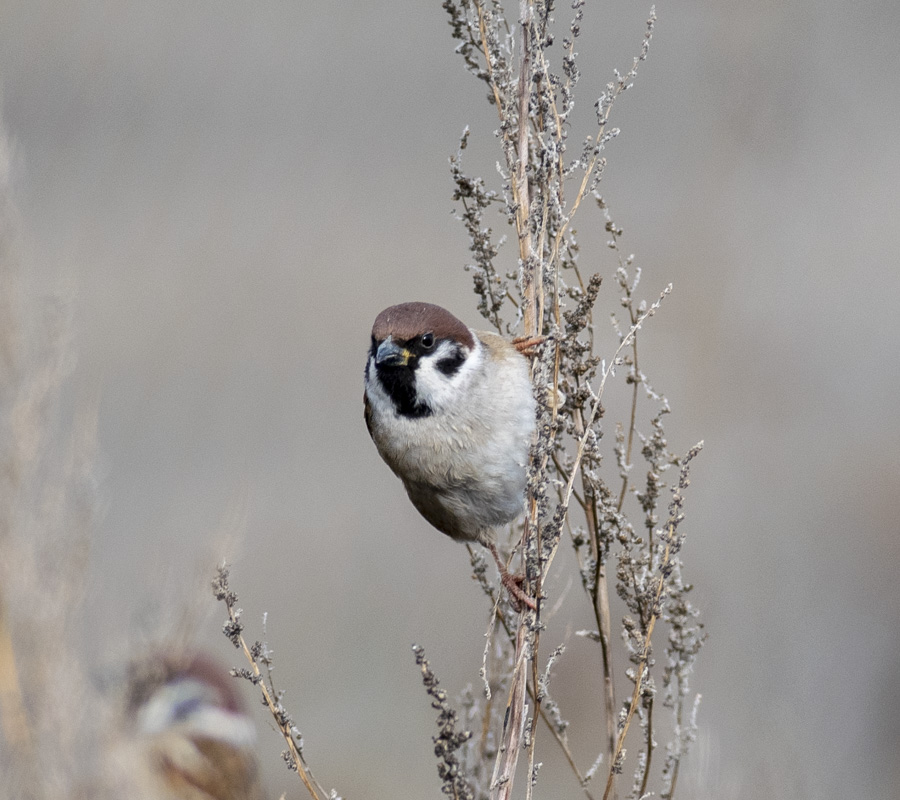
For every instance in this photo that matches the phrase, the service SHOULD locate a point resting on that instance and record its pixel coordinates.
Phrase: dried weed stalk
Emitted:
(256, 654)
(449, 739)
(47, 509)
(614, 522)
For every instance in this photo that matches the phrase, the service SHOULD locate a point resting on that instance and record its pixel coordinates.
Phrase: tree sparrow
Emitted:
(451, 412)
(186, 735)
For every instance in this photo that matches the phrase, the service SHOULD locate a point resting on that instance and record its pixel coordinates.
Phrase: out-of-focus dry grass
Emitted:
(46, 519)
(64, 727)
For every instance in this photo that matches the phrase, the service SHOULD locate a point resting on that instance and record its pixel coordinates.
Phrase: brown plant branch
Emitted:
(557, 736)
(233, 629)
(511, 740)
(673, 544)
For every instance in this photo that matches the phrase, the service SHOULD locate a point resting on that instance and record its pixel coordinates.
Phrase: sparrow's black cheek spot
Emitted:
(452, 363)
(399, 384)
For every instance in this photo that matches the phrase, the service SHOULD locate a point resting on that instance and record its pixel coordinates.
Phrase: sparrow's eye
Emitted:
(428, 341)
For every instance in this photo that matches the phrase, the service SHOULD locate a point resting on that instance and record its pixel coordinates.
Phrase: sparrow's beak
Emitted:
(390, 354)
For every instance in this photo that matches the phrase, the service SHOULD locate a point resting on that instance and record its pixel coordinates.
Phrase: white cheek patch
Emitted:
(437, 389)
(191, 704)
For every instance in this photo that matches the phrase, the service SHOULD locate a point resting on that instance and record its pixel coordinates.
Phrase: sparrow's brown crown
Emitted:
(408, 320)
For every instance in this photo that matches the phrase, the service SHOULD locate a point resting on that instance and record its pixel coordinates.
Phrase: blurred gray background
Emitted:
(232, 191)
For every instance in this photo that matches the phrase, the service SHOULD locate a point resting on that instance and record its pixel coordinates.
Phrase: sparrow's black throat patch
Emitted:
(400, 385)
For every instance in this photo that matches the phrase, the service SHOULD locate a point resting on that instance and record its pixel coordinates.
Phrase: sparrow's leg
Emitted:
(527, 345)
(513, 583)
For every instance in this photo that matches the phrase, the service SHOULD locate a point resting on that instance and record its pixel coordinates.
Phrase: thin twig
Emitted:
(595, 408)
(558, 737)
(672, 544)
(233, 629)
(507, 758)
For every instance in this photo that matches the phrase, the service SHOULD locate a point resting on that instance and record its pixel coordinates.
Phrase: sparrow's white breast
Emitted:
(463, 465)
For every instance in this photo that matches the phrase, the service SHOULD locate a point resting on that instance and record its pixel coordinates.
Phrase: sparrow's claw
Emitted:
(513, 584)
(527, 345)
(517, 595)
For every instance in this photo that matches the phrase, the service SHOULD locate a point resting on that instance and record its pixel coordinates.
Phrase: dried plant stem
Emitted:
(601, 601)
(648, 744)
(518, 155)
(600, 604)
(535, 693)
(664, 569)
(569, 488)
(639, 677)
(449, 739)
(563, 745)
(560, 740)
(602, 617)
(671, 793)
(598, 396)
(299, 761)
(631, 427)
(489, 65)
(557, 736)
(601, 589)
(233, 630)
(530, 279)
(566, 751)
(507, 758)
(534, 103)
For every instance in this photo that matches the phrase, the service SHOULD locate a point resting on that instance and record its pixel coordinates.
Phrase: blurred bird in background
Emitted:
(185, 735)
